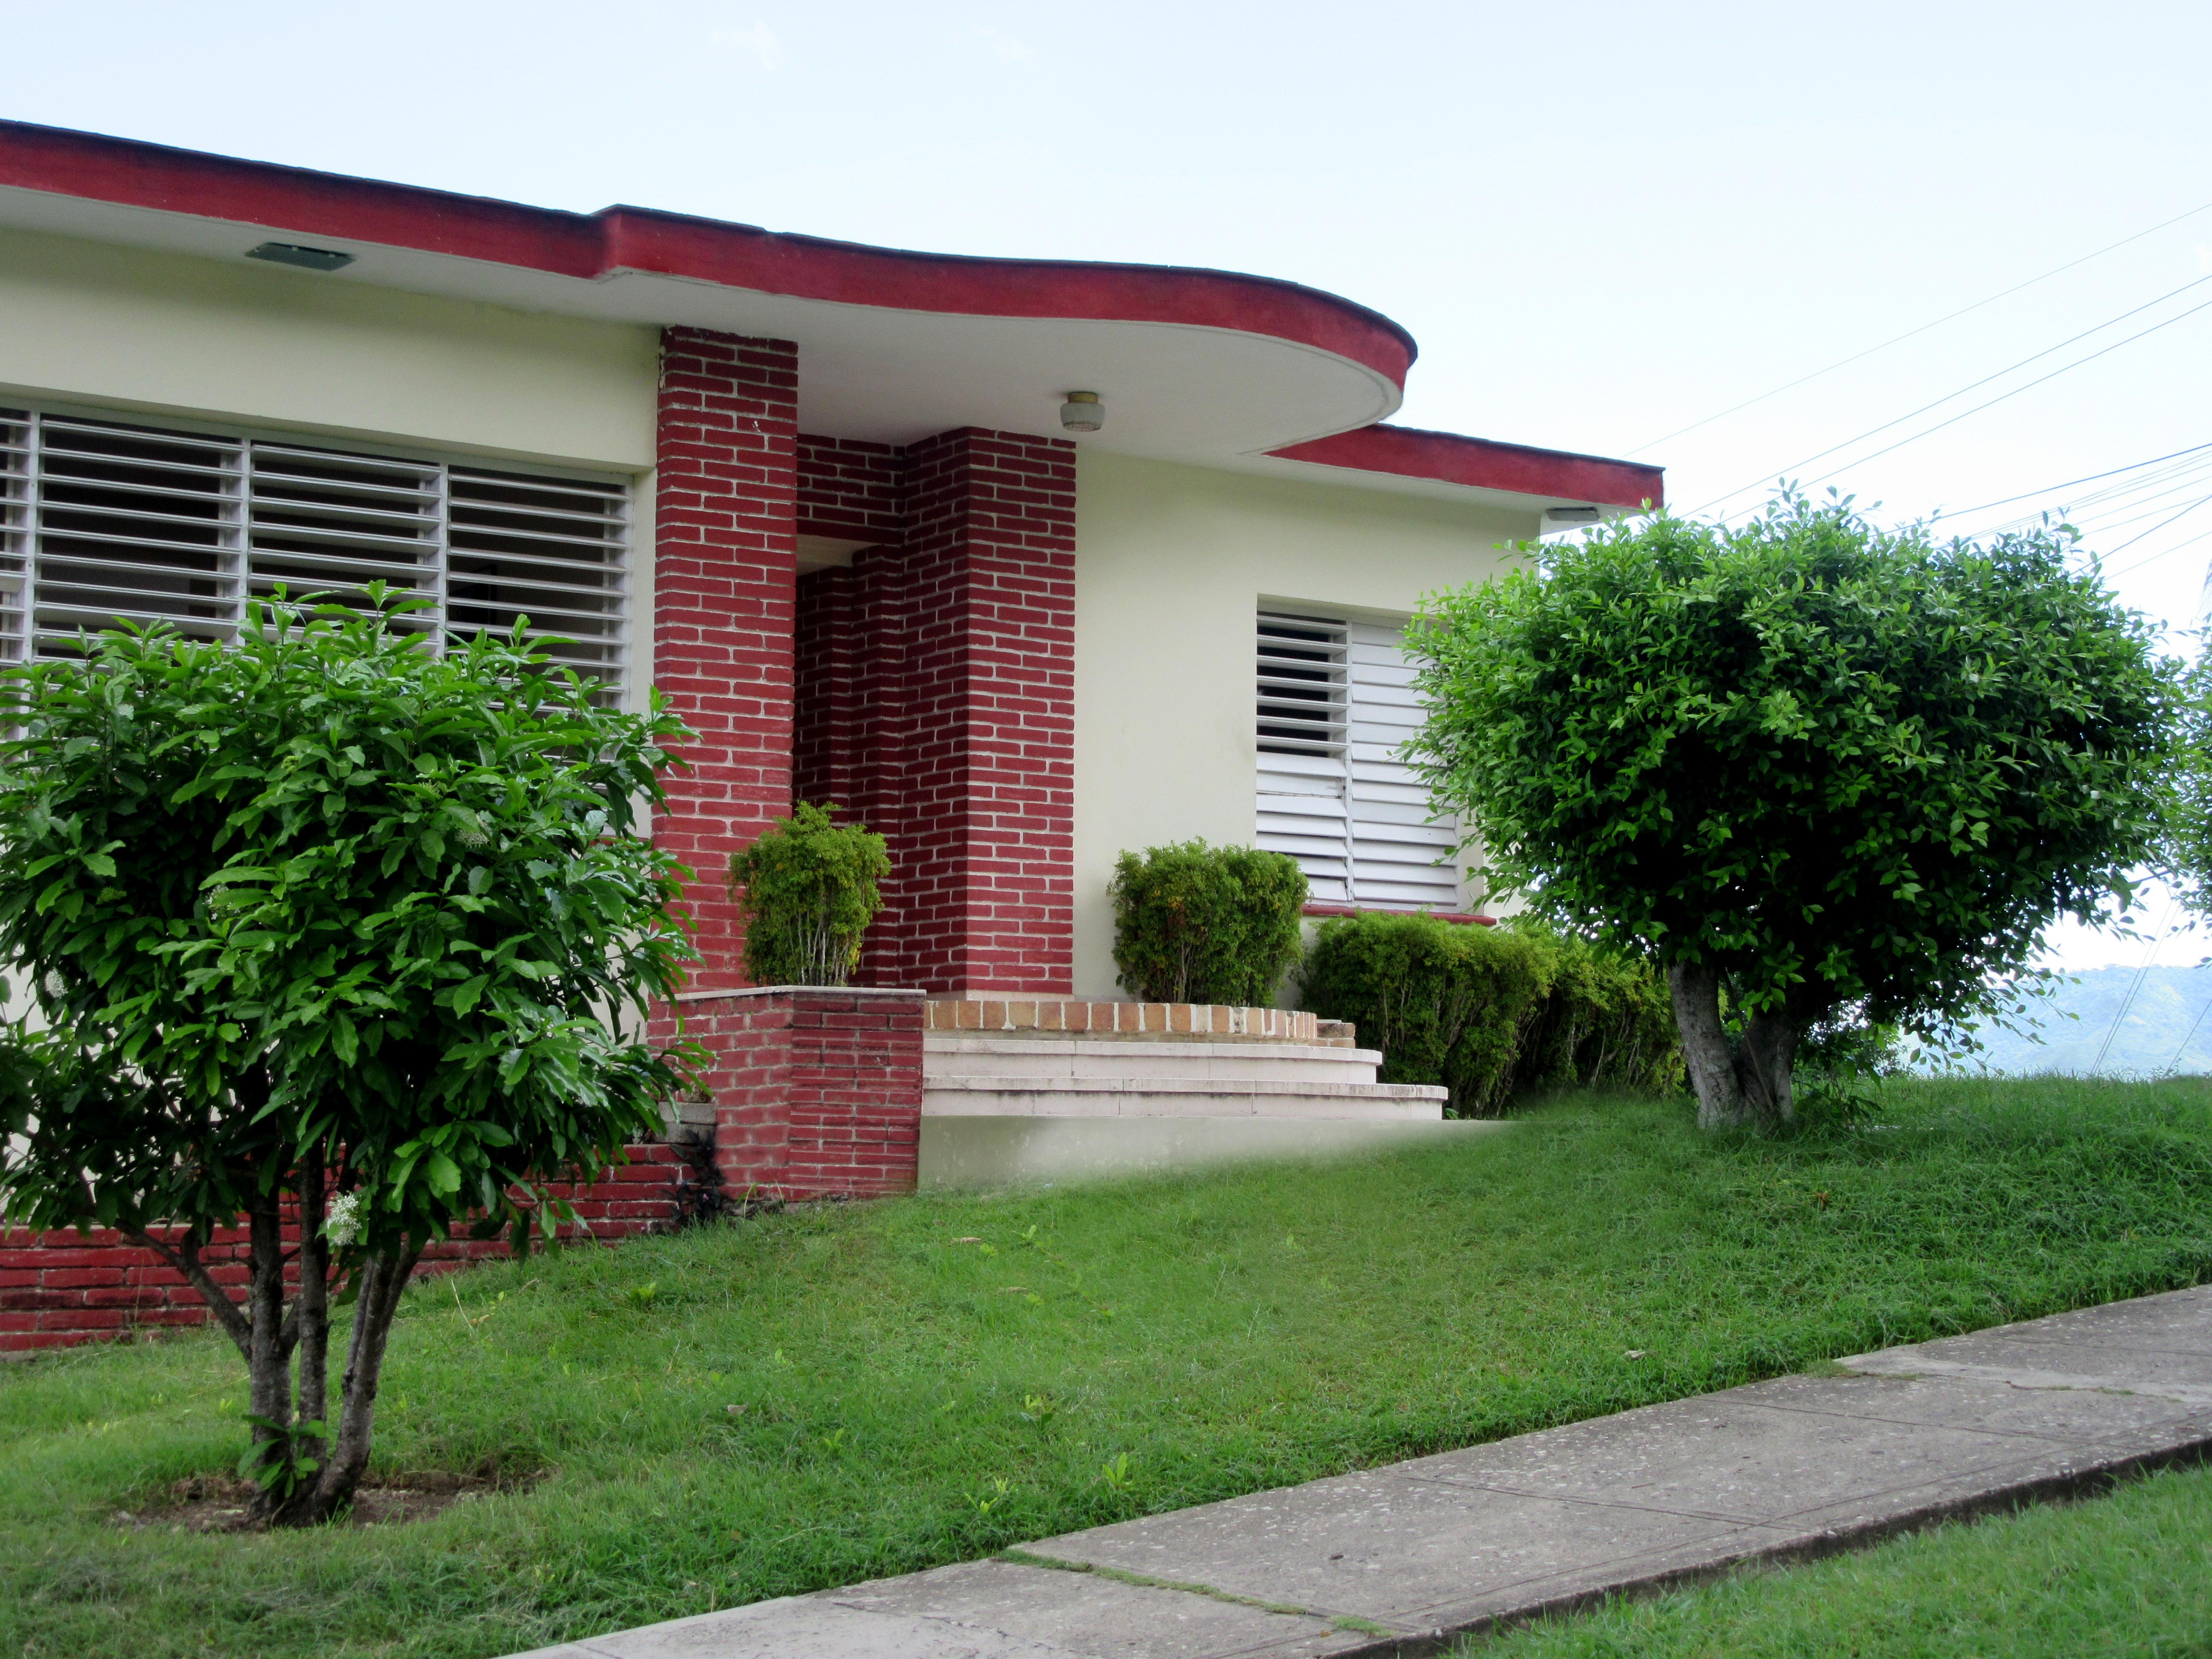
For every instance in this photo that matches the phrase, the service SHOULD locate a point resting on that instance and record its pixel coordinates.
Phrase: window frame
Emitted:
(19, 586)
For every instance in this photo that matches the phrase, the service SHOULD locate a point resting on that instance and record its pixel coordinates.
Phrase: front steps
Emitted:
(1021, 1091)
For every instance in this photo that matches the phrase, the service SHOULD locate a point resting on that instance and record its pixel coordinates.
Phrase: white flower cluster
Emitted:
(342, 1223)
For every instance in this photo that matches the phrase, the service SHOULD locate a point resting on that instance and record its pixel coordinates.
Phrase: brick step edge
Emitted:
(1188, 1021)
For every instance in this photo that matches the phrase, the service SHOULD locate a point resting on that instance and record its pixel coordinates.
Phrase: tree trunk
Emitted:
(311, 1317)
(382, 1281)
(1737, 1085)
(268, 1358)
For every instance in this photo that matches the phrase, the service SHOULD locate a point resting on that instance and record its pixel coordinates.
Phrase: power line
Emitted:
(2007, 501)
(1910, 333)
(2128, 1002)
(2155, 527)
(2095, 512)
(2015, 391)
(2174, 1064)
(2114, 575)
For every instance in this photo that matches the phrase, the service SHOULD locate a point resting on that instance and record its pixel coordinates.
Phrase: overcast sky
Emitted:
(1602, 222)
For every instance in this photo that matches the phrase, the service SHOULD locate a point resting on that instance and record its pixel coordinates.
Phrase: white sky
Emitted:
(1602, 222)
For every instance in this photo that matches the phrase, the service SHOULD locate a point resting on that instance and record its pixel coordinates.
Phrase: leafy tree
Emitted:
(808, 888)
(2187, 853)
(320, 924)
(1808, 761)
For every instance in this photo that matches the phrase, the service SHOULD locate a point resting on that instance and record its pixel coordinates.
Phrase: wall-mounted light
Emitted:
(307, 258)
(1083, 412)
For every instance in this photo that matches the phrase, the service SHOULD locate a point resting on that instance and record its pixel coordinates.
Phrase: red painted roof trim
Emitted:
(96, 168)
(1484, 463)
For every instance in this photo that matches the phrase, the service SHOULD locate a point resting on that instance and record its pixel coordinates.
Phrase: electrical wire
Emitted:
(1952, 421)
(2114, 575)
(2007, 501)
(2127, 1002)
(2105, 510)
(2175, 1065)
(1910, 333)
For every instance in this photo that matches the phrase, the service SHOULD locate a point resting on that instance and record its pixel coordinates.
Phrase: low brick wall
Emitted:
(814, 1092)
(58, 1289)
(817, 1090)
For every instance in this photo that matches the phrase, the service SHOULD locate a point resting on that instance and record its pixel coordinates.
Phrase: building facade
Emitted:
(822, 496)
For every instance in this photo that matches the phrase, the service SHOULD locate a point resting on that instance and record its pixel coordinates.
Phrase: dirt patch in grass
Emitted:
(220, 1502)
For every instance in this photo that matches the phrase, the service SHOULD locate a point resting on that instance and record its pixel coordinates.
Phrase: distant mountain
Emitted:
(2166, 1027)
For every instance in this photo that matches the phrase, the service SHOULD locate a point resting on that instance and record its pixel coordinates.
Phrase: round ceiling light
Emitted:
(1083, 412)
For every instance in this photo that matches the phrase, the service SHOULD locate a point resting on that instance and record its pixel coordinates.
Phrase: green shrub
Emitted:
(1195, 923)
(1493, 1012)
(1608, 1018)
(808, 890)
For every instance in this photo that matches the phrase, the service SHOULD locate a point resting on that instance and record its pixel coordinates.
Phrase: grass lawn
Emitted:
(2128, 1574)
(832, 1394)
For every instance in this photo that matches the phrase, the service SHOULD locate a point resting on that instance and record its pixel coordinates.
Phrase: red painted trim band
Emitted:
(1485, 464)
(265, 196)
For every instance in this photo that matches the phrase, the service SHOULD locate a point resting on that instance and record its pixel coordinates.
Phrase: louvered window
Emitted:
(103, 521)
(1336, 705)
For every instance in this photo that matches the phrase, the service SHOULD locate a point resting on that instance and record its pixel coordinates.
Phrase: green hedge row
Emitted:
(1492, 1013)
(1489, 1012)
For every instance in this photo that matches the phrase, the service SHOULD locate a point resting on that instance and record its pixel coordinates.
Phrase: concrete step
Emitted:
(1179, 1098)
(947, 1056)
(1000, 1152)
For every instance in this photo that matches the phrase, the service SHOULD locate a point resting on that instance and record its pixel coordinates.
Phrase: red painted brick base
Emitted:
(817, 1090)
(58, 1289)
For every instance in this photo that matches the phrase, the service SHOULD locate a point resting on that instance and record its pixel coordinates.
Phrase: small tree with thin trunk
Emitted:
(336, 935)
(1809, 764)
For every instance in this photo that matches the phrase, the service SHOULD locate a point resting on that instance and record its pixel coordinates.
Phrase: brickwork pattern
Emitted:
(817, 1090)
(986, 895)
(1122, 1018)
(725, 574)
(831, 700)
(58, 1289)
(852, 490)
(936, 696)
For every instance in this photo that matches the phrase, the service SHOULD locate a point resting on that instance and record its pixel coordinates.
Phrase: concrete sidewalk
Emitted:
(1400, 1559)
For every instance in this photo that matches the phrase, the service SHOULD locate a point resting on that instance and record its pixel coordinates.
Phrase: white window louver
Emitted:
(103, 521)
(1336, 705)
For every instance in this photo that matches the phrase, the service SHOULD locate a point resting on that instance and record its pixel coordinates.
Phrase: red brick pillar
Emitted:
(983, 825)
(726, 531)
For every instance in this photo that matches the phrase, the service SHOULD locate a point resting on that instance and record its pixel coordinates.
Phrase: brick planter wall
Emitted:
(58, 1289)
(817, 1090)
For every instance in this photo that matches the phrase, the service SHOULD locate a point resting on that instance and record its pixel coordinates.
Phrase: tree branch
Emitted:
(186, 1260)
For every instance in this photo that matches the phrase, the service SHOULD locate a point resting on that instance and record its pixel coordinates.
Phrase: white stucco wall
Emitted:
(1171, 564)
(263, 346)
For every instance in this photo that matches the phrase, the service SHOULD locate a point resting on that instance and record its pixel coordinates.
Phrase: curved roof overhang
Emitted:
(1205, 367)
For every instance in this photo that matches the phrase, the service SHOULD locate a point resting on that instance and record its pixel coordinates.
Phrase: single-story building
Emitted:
(1024, 563)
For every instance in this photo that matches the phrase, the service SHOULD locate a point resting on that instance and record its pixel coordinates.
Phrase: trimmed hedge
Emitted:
(1195, 923)
(808, 890)
(1493, 1012)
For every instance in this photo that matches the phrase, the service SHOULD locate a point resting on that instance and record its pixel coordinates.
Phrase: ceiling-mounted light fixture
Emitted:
(1083, 412)
(1572, 515)
(307, 258)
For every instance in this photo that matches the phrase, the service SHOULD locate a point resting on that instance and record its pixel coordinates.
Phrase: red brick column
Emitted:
(984, 824)
(725, 527)
(817, 1088)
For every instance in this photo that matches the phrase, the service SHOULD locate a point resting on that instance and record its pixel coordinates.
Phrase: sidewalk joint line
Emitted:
(1348, 1622)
